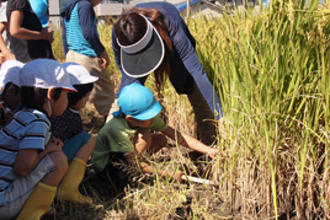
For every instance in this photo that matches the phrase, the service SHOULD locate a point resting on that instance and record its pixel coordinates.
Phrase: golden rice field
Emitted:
(272, 71)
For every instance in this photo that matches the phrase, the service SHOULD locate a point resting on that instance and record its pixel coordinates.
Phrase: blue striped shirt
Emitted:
(28, 129)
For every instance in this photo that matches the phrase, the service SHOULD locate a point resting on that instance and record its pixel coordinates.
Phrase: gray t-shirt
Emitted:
(16, 46)
(26, 50)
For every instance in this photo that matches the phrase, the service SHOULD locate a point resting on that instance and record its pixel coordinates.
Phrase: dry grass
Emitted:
(272, 71)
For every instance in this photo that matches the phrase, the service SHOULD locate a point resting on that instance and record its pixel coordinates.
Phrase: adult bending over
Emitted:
(82, 45)
(153, 37)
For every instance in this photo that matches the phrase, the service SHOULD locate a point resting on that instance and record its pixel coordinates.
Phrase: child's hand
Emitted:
(213, 153)
(174, 175)
(54, 144)
(178, 176)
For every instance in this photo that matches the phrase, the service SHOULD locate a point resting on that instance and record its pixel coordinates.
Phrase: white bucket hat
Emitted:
(78, 73)
(9, 73)
(45, 73)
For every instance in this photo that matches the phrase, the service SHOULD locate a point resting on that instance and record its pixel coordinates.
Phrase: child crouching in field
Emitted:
(129, 132)
(10, 98)
(32, 163)
(78, 144)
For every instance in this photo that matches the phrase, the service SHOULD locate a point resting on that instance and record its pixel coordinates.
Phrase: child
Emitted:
(9, 89)
(78, 145)
(32, 164)
(129, 132)
(82, 45)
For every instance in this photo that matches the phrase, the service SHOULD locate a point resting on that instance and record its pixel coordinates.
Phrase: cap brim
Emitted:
(78, 74)
(86, 80)
(150, 113)
(69, 88)
(145, 61)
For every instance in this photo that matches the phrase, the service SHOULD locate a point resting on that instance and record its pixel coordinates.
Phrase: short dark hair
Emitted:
(32, 97)
(82, 90)
(3, 96)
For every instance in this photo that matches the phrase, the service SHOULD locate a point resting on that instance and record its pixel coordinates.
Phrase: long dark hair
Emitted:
(131, 27)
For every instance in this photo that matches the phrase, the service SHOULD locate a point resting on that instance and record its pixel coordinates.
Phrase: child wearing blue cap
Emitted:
(129, 131)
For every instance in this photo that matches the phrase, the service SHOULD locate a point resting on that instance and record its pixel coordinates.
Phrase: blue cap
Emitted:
(138, 102)
(40, 8)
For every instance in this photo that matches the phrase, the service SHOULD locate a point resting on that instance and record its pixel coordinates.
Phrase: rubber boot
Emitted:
(38, 203)
(69, 187)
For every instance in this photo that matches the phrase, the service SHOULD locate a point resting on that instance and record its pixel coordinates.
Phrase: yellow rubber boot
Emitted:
(38, 203)
(69, 188)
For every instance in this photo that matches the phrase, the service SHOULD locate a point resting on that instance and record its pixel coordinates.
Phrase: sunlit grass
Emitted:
(272, 71)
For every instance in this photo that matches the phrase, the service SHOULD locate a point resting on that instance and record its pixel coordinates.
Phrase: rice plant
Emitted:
(272, 71)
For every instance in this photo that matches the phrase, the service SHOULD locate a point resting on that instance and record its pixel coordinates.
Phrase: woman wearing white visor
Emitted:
(153, 37)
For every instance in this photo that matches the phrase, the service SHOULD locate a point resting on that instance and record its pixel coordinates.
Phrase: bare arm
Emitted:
(146, 168)
(27, 159)
(17, 31)
(190, 142)
(133, 159)
(3, 47)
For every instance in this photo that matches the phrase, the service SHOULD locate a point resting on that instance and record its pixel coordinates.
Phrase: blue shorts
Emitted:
(73, 145)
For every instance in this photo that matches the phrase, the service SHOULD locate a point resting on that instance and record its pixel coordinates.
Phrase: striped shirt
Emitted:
(28, 129)
(80, 30)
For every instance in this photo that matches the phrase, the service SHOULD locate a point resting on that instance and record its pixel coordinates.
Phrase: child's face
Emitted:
(60, 104)
(12, 97)
(139, 123)
(145, 123)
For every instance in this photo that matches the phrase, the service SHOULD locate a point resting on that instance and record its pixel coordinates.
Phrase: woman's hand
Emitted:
(221, 129)
(213, 153)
